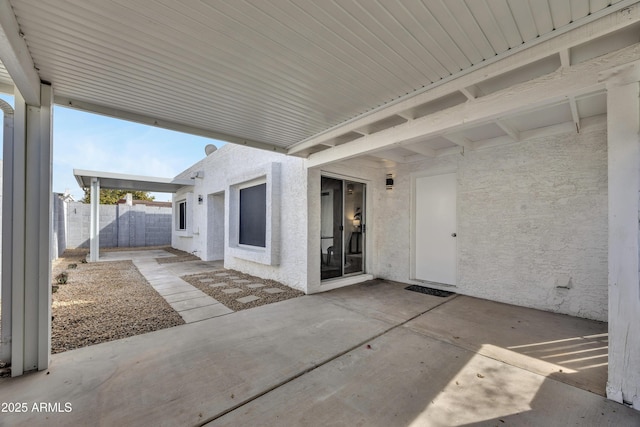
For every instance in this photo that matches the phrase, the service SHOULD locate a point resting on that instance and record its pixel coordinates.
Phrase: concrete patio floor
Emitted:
(371, 354)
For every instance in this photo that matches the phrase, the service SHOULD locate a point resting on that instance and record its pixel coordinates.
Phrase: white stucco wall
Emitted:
(532, 223)
(232, 165)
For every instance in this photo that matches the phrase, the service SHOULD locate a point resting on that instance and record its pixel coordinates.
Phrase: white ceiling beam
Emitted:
(459, 140)
(565, 57)
(165, 124)
(15, 56)
(612, 19)
(509, 130)
(471, 92)
(407, 115)
(565, 62)
(420, 149)
(574, 112)
(527, 96)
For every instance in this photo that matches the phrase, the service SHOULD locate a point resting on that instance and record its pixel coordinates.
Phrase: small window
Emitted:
(253, 216)
(182, 215)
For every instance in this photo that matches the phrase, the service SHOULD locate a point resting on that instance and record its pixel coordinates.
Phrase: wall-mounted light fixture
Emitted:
(199, 199)
(389, 181)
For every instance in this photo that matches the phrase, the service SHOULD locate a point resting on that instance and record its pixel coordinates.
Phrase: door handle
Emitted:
(453, 234)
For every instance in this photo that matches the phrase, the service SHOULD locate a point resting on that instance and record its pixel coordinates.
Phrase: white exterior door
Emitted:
(435, 228)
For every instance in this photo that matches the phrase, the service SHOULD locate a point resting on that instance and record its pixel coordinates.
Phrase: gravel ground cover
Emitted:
(103, 302)
(241, 286)
(111, 300)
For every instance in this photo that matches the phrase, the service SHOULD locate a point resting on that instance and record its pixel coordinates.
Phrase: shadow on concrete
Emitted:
(363, 355)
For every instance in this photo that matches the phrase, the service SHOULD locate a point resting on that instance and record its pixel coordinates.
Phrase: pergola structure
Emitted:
(95, 180)
(384, 82)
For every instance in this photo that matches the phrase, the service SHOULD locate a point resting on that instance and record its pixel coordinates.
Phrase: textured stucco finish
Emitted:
(229, 166)
(532, 219)
(532, 223)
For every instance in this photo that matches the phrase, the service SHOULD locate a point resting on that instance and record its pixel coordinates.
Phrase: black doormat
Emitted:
(429, 291)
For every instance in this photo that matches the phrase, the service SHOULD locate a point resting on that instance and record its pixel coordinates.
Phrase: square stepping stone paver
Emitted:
(218, 285)
(273, 290)
(207, 280)
(221, 274)
(255, 285)
(242, 281)
(232, 277)
(247, 299)
(232, 291)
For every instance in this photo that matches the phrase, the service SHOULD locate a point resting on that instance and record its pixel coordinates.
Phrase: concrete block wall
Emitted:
(532, 223)
(157, 226)
(120, 225)
(59, 226)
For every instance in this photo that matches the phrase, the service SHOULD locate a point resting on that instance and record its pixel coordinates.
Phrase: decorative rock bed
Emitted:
(239, 291)
(102, 302)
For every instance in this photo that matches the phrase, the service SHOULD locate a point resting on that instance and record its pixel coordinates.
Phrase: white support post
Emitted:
(39, 201)
(94, 226)
(17, 182)
(7, 232)
(623, 134)
(29, 185)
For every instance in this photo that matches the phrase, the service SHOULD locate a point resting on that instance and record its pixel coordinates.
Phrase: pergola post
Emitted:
(27, 238)
(94, 226)
(623, 139)
(7, 221)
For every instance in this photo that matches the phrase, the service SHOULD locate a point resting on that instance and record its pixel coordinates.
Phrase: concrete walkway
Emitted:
(372, 354)
(192, 304)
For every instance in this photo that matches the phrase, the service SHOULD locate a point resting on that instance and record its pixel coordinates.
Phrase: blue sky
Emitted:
(90, 141)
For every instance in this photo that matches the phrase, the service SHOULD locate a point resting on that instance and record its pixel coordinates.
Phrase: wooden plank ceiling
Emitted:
(275, 71)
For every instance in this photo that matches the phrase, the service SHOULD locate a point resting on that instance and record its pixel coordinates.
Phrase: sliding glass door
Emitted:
(342, 227)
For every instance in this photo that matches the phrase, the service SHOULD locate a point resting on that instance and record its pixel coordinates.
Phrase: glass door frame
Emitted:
(348, 227)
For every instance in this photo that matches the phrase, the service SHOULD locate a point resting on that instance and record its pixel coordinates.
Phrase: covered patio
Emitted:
(372, 354)
(381, 86)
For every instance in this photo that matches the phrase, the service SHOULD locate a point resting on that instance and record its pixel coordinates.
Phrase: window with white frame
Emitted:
(181, 215)
(254, 215)
(252, 230)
